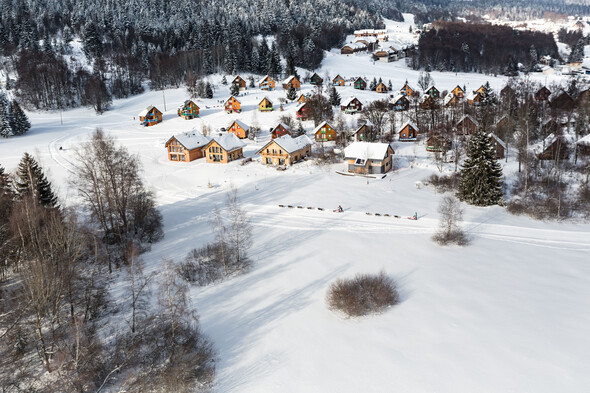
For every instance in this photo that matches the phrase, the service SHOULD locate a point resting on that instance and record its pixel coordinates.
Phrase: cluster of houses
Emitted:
(368, 40)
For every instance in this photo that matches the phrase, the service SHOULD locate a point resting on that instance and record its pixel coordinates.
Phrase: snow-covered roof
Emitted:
(300, 106)
(261, 81)
(585, 141)
(409, 123)
(185, 104)
(366, 150)
(500, 141)
(408, 85)
(396, 98)
(370, 31)
(369, 39)
(424, 98)
(586, 63)
(355, 45)
(551, 138)
(231, 98)
(228, 141)
(290, 144)
(387, 52)
(288, 80)
(146, 111)
(431, 87)
(244, 126)
(348, 101)
(191, 140)
(286, 127)
(471, 96)
(448, 98)
(324, 123)
(470, 118)
(266, 98)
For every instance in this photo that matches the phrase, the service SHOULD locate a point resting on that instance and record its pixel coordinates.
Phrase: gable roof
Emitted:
(244, 126)
(186, 103)
(409, 123)
(407, 85)
(324, 123)
(298, 108)
(356, 45)
(290, 144)
(191, 140)
(448, 98)
(228, 141)
(366, 150)
(470, 118)
(265, 77)
(338, 77)
(396, 98)
(238, 101)
(348, 101)
(289, 79)
(585, 141)
(147, 110)
(265, 98)
(286, 127)
(497, 138)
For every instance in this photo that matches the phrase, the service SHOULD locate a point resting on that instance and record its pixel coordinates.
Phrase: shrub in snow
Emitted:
(450, 231)
(364, 294)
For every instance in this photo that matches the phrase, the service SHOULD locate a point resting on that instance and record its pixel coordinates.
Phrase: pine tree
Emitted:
(291, 93)
(274, 62)
(300, 130)
(481, 175)
(577, 53)
(251, 81)
(373, 85)
(92, 45)
(234, 90)
(334, 97)
(6, 130)
(224, 80)
(30, 180)
(208, 90)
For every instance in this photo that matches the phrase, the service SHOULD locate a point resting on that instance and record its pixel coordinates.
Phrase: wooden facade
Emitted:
(381, 88)
(292, 81)
(186, 147)
(458, 92)
(150, 116)
(338, 81)
(360, 84)
(563, 102)
(224, 149)
(438, 143)
(324, 132)
(233, 105)
(351, 106)
(427, 102)
(239, 129)
(267, 83)
(316, 80)
(302, 111)
(542, 94)
(498, 146)
(407, 90)
(467, 125)
(555, 148)
(363, 133)
(188, 110)
(302, 98)
(280, 130)
(399, 103)
(475, 98)
(433, 92)
(408, 132)
(265, 105)
(285, 150)
(240, 82)
(451, 100)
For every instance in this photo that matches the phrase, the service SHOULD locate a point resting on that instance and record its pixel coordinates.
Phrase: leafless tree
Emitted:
(451, 215)
(376, 112)
(138, 284)
(239, 232)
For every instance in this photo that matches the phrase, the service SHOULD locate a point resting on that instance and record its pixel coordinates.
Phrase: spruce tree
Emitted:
(6, 130)
(373, 85)
(30, 180)
(334, 97)
(234, 90)
(208, 90)
(481, 175)
(92, 45)
(291, 93)
(224, 80)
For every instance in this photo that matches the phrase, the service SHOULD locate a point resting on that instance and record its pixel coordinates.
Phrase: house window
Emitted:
(268, 160)
(281, 161)
(359, 161)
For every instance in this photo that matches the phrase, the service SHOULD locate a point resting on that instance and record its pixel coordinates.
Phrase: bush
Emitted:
(364, 294)
(444, 183)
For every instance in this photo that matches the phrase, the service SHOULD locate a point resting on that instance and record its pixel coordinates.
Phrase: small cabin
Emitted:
(438, 144)
(239, 129)
(224, 148)
(399, 103)
(458, 92)
(265, 105)
(542, 94)
(150, 116)
(267, 83)
(467, 125)
(302, 98)
(368, 157)
(451, 100)
(553, 147)
(385, 55)
(241, 83)
(316, 80)
(408, 132)
(188, 110)
(324, 132)
(498, 146)
(302, 112)
(427, 102)
(187, 146)
(285, 150)
(360, 83)
(338, 81)
(351, 106)
(233, 105)
(407, 90)
(293, 82)
(280, 130)
(381, 88)
(364, 133)
(433, 92)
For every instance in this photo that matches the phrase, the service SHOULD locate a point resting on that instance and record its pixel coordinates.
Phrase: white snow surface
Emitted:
(508, 313)
(366, 150)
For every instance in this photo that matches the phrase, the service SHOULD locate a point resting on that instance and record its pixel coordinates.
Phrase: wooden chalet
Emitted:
(233, 105)
(267, 83)
(381, 88)
(242, 85)
(360, 83)
(368, 157)
(350, 49)
(399, 103)
(451, 100)
(433, 92)
(369, 42)
(188, 110)
(481, 90)
(239, 129)
(407, 90)
(408, 132)
(150, 116)
(498, 146)
(552, 148)
(285, 150)
(542, 94)
(458, 92)
(386, 55)
(265, 105)
(363, 133)
(224, 148)
(562, 102)
(291, 81)
(324, 132)
(187, 146)
(474, 98)
(427, 102)
(280, 130)
(351, 106)
(302, 112)
(438, 144)
(303, 98)
(467, 125)
(316, 80)
(338, 81)
(507, 93)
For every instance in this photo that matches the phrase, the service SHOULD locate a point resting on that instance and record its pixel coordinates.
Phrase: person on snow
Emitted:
(340, 210)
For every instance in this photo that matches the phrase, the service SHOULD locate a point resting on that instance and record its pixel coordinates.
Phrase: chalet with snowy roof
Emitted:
(187, 146)
(302, 112)
(324, 132)
(474, 98)
(316, 80)
(285, 150)
(542, 94)
(188, 110)
(467, 125)
(233, 105)
(408, 132)
(368, 157)
(265, 105)
(350, 49)
(381, 88)
(241, 83)
(239, 129)
(267, 83)
(562, 101)
(583, 145)
(433, 92)
(427, 102)
(438, 144)
(224, 148)
(360, 84)
(386, 55)
(498, 146)
(291, 81)
(150, 116)
(451, 100)
(481, 90)
(399, 103)
(407, 90)
(351, 105)
(338, 81)
(364, 132)
(553, 147)
(369, 42)
(303, 98)
(280, 130)
(458, 92)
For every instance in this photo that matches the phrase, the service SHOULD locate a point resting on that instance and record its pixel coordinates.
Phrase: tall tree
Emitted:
(20, 123)
(91, 44)
(31, 181)
(334, 97)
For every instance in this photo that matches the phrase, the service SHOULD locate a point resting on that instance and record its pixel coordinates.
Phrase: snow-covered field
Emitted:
(508, 313)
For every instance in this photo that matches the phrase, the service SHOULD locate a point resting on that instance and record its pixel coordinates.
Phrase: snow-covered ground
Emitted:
(508, 313)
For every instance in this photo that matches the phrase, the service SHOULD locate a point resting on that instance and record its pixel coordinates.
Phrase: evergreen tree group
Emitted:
(13, 120)
(481, 174)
